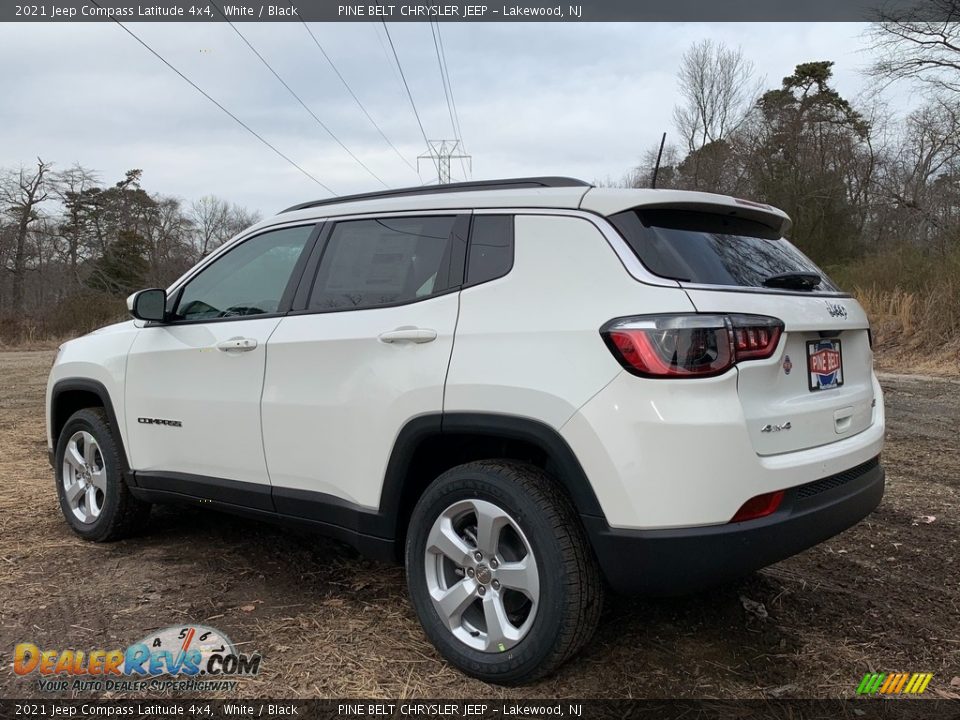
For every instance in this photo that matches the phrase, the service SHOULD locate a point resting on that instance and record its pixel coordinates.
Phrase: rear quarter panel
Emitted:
(528, 344)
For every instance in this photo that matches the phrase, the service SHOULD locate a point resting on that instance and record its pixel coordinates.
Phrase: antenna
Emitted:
(656, 168)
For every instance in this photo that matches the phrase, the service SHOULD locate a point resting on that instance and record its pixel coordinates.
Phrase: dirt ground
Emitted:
(883, 596)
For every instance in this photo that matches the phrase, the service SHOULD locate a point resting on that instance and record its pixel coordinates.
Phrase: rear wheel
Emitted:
(88, 466)
(500, 573)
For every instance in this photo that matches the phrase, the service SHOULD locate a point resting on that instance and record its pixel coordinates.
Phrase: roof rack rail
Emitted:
(504, 184)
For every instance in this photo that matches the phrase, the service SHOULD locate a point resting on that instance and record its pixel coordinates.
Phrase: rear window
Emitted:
(712, 249)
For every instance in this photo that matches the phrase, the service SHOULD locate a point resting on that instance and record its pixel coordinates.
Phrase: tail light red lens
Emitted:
(753, 342)
(759, 506)
(690, 345)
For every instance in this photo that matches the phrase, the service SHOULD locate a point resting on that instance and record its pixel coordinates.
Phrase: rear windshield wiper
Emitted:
(793, 281)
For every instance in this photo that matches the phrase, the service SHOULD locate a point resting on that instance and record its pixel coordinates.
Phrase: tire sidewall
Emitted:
(470, 484)
(94, 424)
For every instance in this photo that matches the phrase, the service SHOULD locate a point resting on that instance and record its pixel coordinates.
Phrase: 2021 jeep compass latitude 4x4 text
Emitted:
(526, 390)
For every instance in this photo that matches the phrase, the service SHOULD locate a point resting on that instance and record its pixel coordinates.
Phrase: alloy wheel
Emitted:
(84, 477)
(482, 575)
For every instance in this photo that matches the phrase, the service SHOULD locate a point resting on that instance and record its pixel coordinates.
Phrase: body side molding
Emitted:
(377, 548)
(255, 496)
(373, 531)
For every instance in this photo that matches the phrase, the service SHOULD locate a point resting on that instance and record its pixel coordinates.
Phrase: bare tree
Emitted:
(215, 221)
(21, 193)
(917, 187)
(167, 238)
(239, 218)
(718, 91)
(209, 216)
(913, 47)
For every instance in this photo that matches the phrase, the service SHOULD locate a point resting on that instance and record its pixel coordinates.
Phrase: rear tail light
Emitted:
(690, 345)
(759, 506)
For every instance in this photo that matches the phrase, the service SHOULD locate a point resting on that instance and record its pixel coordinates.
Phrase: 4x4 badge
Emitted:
(770, 428)
(836, 310)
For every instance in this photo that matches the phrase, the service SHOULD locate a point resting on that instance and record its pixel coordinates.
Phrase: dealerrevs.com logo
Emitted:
(179, 657)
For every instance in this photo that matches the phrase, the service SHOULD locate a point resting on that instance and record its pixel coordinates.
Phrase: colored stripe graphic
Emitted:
(903, 679)
(870, 683)
(894, 683)
(890, 683)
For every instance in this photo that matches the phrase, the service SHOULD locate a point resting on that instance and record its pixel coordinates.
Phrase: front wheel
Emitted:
(93, 495)
(500, 572)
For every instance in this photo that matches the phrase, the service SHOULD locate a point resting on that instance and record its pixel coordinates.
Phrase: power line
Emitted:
(453, 98)
(393, 69)
(445, 80)
(386, 53)
(405, 85)
(297, 97)
(353, 94)
(202, 92)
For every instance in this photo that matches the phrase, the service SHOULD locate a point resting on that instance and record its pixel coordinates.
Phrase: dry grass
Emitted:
(913, 331)
(913, 302)
(48, 326)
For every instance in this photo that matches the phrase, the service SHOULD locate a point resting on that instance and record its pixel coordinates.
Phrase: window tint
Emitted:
(491, 248)
(712, 249)
(247, 280)
(383, 261)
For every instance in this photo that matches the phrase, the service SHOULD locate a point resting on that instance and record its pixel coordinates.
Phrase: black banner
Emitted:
(485, 709)
(477, 11)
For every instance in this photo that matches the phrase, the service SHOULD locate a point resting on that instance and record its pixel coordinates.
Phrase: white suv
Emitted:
(525, 389)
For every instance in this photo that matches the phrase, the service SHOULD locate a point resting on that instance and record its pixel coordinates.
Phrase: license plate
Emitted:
(824, 364)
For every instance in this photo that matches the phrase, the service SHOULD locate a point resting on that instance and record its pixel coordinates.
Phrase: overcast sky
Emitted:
(534, 99)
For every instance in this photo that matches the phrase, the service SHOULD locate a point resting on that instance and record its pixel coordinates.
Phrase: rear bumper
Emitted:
(682, 560)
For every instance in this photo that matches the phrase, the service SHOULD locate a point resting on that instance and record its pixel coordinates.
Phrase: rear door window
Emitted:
(713, 249)
(386, 261)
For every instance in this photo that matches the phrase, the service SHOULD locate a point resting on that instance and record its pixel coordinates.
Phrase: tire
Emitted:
(550, 613)
(88, 471)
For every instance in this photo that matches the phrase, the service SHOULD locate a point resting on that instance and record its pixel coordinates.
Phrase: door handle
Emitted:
(409, 334)
(237, 344)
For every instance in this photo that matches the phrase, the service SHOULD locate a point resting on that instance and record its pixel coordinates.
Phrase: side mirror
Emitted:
(148, 305)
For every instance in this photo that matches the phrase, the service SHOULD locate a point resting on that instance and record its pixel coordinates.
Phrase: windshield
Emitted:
(713, 249)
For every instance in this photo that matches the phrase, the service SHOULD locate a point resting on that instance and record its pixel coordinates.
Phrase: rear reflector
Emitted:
(690, 344)
(759, 506)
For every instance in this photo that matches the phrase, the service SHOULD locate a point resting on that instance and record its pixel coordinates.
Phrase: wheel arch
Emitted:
(429, 445)
(74, 394)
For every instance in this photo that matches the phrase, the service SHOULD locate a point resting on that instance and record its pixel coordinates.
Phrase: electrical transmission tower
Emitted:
(439, 153)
